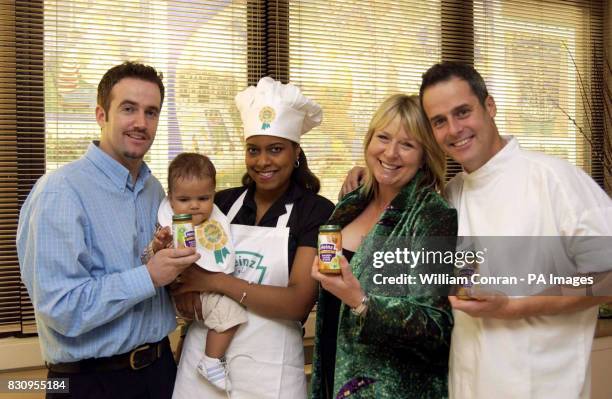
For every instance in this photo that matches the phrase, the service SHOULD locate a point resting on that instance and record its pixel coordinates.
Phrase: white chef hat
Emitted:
(276, 109)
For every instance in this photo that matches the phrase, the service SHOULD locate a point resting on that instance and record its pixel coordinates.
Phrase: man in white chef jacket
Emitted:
(533, 346)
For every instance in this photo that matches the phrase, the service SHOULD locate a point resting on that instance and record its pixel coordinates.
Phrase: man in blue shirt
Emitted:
(103, 316)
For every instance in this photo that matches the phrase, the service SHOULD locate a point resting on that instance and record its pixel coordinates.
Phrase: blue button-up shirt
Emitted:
(81, 232)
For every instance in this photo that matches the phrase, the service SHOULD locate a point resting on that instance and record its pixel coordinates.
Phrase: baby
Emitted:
(191, 190)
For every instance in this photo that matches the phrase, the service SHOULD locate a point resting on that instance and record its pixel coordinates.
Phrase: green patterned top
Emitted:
(400, 348)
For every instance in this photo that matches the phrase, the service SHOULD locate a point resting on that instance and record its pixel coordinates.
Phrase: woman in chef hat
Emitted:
(275, 216)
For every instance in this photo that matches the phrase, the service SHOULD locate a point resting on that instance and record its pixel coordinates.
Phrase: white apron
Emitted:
(266, 356)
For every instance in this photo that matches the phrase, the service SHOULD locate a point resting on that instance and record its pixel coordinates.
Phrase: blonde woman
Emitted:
(388, 340)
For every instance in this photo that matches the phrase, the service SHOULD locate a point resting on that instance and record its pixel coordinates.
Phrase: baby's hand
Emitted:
(162, 239)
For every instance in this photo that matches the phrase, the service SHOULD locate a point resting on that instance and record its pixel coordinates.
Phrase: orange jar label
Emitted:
(330, 250)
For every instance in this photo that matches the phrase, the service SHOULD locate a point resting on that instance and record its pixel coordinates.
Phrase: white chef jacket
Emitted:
(523, 193)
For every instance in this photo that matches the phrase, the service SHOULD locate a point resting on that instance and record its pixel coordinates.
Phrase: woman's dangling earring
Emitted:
(296, 164)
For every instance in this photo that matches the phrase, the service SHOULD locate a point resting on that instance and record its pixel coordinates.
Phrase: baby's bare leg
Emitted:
(218, 342)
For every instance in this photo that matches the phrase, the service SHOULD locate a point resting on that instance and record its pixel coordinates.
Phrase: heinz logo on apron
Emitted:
(274, 367)
(249, 266)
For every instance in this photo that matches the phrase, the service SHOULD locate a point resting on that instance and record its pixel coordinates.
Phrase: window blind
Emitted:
(348, 55)
(200, 47)
(543, 63)
(9, 271)
(22, 148)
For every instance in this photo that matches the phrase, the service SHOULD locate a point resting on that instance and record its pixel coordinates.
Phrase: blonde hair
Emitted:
(415, 123)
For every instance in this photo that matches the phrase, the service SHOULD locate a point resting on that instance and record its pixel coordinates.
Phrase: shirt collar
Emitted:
(293, 193)
(495, 164)
(118, 174)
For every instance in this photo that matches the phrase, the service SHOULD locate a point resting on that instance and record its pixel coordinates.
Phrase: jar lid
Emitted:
(330, 227)
(181, 216)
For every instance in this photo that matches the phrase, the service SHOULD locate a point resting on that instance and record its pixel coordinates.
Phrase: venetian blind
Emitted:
(543, 65)
(200, 47)
(350, 55)
(9, 271)
(541, 61)
(21, 146)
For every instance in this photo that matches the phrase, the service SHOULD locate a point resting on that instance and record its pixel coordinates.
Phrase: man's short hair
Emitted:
(447, 70)
(127, 70)
(190, 165)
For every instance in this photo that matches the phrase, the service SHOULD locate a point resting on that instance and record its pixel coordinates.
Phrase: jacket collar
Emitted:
(352, 204)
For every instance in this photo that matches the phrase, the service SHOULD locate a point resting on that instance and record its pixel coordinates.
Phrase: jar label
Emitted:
(183, 235)
(330, 250)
